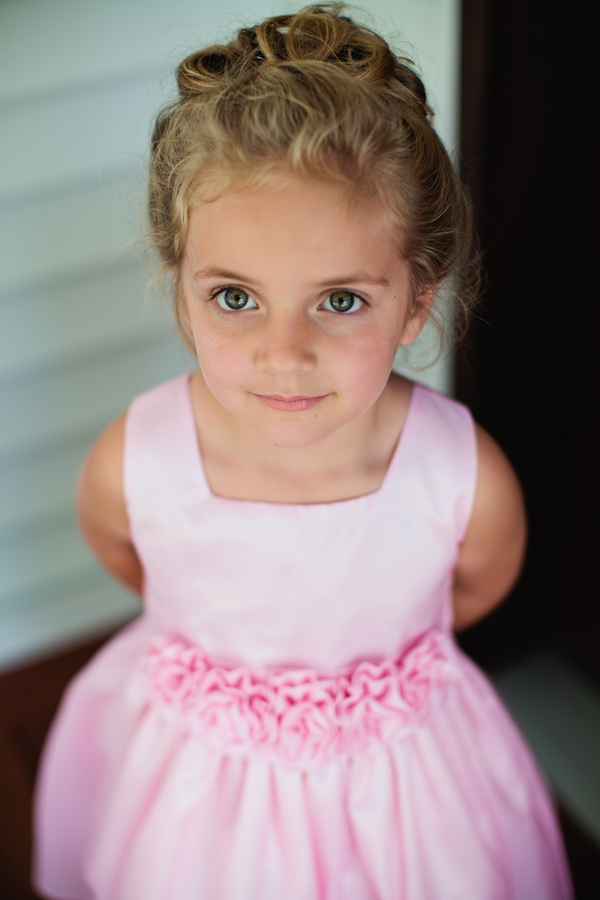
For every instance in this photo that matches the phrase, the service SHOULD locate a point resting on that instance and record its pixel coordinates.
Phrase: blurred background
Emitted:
(80, 336)
(80, 83)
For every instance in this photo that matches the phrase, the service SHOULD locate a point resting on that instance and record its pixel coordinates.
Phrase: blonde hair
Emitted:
(323, 97)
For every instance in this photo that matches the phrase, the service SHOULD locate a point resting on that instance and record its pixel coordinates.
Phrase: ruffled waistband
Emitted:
(298, 714)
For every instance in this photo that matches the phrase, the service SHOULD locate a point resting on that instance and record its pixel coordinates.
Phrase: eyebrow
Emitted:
(212, 272)
(354, 278)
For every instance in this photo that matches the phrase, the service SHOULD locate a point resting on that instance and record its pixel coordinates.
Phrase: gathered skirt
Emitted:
(166, 777)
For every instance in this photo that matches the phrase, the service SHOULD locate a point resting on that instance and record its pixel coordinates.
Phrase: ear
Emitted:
(418, 317)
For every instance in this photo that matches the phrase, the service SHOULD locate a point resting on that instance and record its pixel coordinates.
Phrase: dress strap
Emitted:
(161, 460)
(440, 448)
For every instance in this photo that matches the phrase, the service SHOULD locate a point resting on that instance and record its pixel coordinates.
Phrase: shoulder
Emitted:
(100, 493)
(498, 489)
(498, 525)
(441, 410)
(444, 435)
(491, 554)
(129, 460)
(492, 508)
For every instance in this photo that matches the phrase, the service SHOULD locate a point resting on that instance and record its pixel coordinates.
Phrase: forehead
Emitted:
(314, 223)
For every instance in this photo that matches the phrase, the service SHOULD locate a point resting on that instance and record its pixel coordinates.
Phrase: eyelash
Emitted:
(228, 287)
(231, 287)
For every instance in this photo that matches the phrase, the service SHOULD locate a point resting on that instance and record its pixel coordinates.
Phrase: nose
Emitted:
(287, 346)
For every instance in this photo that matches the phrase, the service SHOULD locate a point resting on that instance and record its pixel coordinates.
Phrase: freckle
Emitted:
(316, 414)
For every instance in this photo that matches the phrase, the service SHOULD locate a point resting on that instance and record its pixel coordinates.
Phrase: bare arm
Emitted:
(491, 555)
(101, 507)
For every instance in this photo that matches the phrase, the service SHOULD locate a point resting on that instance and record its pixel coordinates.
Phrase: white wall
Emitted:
(79, 82)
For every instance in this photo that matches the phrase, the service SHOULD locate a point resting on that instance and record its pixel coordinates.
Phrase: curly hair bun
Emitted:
(317, 33)
(321, 96)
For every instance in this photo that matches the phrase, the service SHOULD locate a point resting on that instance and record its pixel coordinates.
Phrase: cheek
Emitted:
(366, 364)
(223, 362)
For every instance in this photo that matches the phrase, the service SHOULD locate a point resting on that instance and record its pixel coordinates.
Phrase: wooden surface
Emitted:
(28, 700)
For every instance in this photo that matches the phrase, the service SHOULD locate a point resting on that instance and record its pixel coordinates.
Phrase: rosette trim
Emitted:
(298, 714)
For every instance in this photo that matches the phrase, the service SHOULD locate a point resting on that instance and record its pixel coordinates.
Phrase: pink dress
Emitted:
(291, 717)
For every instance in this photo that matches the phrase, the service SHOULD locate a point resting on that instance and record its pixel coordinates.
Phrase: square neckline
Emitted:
(399, 449)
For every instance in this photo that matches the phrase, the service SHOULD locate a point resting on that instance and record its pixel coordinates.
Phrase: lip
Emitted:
(290, 404)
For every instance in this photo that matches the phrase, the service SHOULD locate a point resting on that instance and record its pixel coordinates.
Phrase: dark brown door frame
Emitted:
(531, 368)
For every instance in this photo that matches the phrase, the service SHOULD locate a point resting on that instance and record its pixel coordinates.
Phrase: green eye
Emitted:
(342, 302)
(235, 298)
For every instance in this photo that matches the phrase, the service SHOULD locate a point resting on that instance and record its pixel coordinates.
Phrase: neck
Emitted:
(352, 461)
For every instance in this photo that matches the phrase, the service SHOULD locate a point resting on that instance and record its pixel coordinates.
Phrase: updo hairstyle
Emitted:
(319, 96)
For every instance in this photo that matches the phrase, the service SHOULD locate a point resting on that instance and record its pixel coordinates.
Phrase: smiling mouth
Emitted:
(290, 404)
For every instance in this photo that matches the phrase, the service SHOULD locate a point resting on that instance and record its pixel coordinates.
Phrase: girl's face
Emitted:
(297, 303)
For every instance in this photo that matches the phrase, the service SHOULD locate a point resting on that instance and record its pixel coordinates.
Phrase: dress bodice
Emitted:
(288, 718)
(281, 585)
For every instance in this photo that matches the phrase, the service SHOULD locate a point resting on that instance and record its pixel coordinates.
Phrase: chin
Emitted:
(290, 436)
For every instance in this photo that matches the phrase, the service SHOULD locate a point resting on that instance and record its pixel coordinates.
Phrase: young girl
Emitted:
(291, 717)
